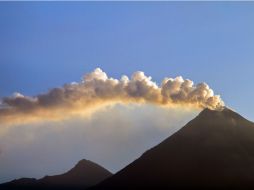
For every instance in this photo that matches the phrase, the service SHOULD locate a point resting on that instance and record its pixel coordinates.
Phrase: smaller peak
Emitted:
(83, 163)
(86, 166)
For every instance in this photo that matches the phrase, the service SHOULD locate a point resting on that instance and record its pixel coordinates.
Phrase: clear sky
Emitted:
(47, 44)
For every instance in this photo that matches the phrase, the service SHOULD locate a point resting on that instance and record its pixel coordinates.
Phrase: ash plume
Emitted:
(96, 89)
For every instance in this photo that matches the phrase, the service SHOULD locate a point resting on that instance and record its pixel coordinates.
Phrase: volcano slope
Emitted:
(214, 150)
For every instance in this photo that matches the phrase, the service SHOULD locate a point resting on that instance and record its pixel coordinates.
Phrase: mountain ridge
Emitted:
(83, 175)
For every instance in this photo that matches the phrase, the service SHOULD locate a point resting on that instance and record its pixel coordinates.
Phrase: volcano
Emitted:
(214, 150)
(83, 175)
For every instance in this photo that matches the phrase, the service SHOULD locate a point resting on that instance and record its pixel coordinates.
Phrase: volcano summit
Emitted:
(214, 150)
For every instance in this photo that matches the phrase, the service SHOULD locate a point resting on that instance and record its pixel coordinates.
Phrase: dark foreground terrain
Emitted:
(213, 151)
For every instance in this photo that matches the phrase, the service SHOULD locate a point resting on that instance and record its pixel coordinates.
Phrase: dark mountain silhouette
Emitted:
(215, 150)
(83, 175)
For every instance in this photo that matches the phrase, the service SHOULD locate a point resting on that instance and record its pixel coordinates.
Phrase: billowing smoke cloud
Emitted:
(96, 89)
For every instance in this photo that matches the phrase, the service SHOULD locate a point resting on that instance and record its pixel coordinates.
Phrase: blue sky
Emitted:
(47, 44)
